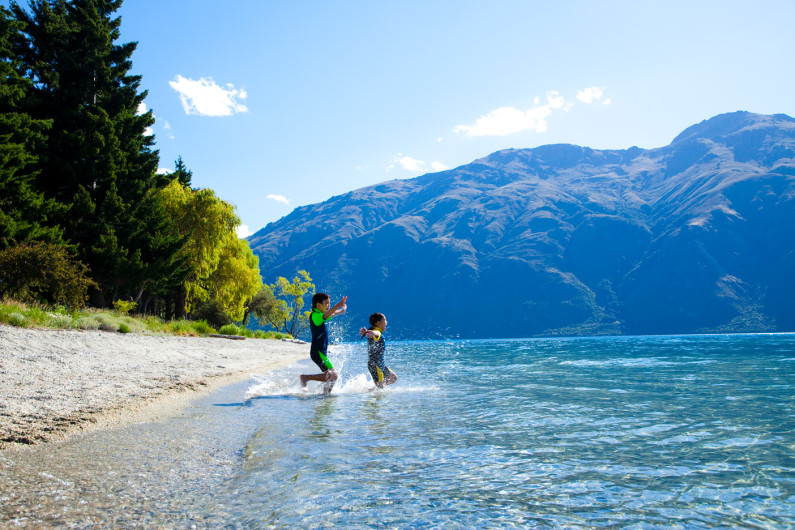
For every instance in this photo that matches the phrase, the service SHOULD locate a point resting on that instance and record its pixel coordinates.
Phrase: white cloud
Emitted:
(411, 164)
(243, 232)
(163, 171)
(205, 98)
(279, 198)
(140, 111)
(591, 94)
(508, 120)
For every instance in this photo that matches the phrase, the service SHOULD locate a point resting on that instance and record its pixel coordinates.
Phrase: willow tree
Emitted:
(237, 278)
(221, 266)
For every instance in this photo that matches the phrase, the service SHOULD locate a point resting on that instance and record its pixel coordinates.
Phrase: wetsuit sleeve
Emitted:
(317, 318)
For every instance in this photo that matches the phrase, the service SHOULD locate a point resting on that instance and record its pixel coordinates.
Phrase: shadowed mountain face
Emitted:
(697, 236)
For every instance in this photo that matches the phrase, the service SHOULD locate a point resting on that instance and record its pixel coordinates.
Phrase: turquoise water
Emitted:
(634, 432)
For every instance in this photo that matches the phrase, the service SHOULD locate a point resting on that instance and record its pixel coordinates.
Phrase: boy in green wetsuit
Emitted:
(318, 351)
(376, 346)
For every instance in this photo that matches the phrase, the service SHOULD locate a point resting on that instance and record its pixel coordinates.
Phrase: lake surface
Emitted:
(631, 432)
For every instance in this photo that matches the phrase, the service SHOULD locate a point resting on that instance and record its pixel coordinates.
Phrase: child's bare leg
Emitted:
(311, 377)
(330, 378)
(390, 378)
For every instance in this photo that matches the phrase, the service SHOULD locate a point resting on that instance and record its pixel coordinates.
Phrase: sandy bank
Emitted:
(54, 383)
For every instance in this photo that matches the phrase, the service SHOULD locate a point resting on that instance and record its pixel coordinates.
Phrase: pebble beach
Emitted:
(55, 383)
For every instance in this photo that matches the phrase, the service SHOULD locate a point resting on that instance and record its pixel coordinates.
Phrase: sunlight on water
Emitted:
(638, 432)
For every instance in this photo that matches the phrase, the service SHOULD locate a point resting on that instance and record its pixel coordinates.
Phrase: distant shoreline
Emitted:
(57, 383)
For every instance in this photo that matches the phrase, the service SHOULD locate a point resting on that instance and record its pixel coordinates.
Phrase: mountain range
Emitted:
(694, 237)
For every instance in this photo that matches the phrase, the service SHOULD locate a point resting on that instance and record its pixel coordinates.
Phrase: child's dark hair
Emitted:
(376, 317)
(319, 298)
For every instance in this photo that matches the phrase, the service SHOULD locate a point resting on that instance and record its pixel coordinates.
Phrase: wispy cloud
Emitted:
(204, 97)
(509, 120)
(592, 95)
(243, 232)
(279, 198)
(412, 164)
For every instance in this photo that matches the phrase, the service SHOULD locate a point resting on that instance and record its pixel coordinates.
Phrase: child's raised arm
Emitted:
(339, 308)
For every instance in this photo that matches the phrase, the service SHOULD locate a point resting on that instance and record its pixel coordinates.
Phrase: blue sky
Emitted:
(278, 104)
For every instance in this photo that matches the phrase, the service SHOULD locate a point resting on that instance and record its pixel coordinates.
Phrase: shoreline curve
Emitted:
(58, 383)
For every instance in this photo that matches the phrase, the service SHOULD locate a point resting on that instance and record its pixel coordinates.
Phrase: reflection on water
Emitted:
(631, 431)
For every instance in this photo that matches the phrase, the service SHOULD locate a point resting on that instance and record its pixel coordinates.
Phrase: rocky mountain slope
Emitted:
(696, 236)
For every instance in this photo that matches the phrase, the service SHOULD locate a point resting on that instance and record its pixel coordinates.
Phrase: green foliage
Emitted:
(221, 266)
(202, 327)
(95, 164)
(43, 272)
(124, 307)
(58, 317)
(232, 329)
(237, 277)
(23, 208)
(259, 334)
(242, 331)
(213, 312)
(281, 303)
(189, 327)
(77, 168)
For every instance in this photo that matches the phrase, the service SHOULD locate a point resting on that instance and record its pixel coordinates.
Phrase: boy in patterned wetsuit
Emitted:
(382, 376)
(318, 351)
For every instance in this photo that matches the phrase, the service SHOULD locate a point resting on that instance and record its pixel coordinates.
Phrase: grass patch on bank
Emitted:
(38, 316)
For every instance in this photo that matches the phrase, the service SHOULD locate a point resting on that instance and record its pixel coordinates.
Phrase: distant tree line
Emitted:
(81, 200)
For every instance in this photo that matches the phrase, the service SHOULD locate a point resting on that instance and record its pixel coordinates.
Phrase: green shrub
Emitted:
(124, 307)
(124, 328)
(230, 329)
(180, 327)
(16, 319)
(213, 312)
(61, 321)
(43, 272)
(202, 327)
(259, 334)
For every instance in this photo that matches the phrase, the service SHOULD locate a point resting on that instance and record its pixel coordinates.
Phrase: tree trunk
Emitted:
(170, 303)
(180, 302)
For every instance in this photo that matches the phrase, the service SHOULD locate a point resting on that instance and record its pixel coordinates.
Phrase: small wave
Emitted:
(645, 362)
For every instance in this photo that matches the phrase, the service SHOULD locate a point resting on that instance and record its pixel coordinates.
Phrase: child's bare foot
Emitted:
(303, 382)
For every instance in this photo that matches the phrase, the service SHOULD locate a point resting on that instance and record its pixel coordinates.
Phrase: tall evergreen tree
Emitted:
(23, 209)
(99, 162)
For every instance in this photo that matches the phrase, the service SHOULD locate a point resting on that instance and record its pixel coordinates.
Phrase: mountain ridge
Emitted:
(566, 240)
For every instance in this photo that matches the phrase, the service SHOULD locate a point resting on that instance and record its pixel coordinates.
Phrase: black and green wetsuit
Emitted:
(319, 348)
(375, 361)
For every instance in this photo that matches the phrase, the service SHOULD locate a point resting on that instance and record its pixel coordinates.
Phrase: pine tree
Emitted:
(99, 162)
(23, 210)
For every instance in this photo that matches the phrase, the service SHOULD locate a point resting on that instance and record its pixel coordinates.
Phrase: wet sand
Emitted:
(55, 383)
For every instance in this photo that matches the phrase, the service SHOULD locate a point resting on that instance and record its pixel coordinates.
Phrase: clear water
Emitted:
(632, 432)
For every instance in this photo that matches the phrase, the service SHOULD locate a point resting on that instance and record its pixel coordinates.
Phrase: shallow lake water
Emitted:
(634, 432)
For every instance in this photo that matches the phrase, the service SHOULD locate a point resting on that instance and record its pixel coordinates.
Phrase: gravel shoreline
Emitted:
(55, 383)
